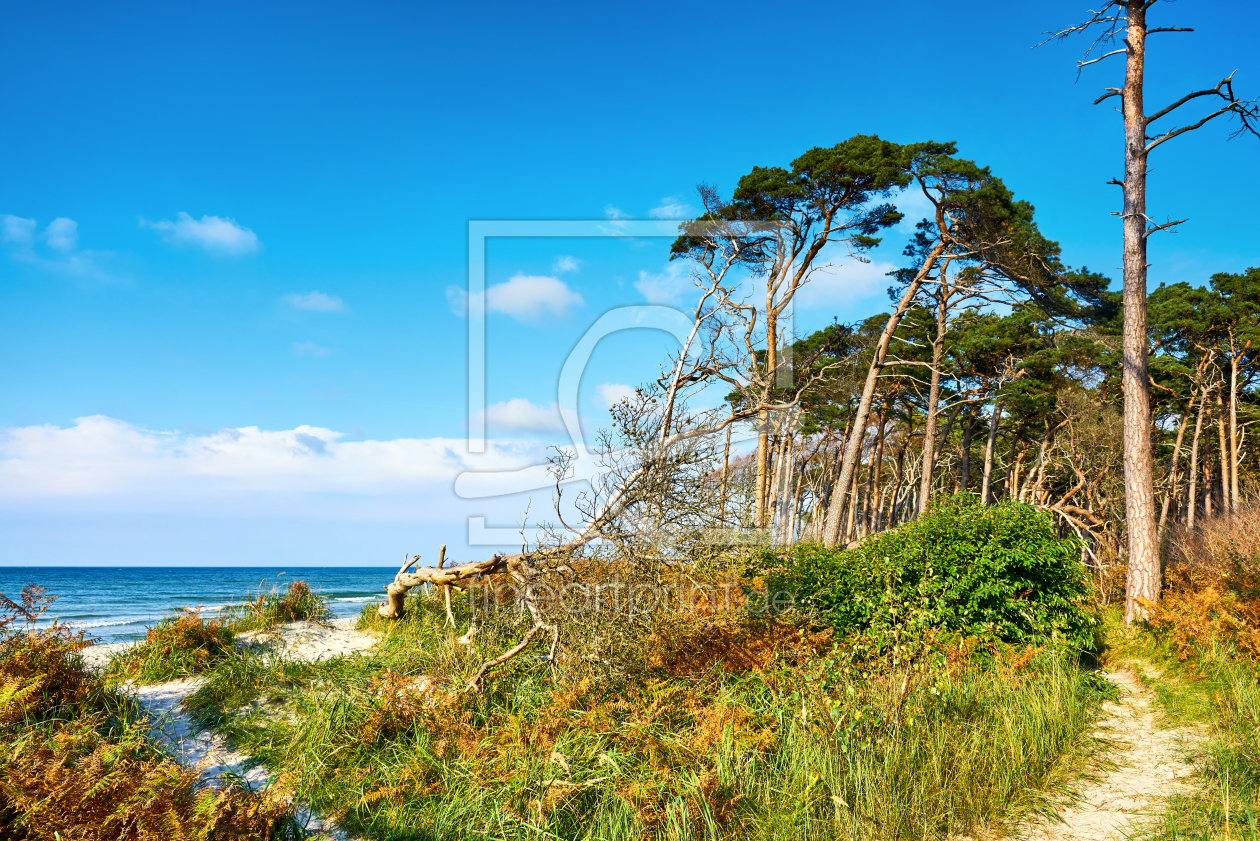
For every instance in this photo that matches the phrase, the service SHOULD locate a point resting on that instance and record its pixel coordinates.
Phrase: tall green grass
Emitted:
(188, 644)
(956, 741)
(1215, 689)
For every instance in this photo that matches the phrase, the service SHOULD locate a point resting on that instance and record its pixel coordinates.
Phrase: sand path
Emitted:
(193, 745)
(1151, 764)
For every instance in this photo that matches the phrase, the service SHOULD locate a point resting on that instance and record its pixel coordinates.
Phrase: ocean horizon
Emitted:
(115, 604)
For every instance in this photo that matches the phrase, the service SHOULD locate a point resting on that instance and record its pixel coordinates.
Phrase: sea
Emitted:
(116, 604)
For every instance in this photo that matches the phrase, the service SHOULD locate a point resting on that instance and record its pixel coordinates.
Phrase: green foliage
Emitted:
(179, 646)
(268, 608)
(961, 741)
(998, 571)
(79, 762)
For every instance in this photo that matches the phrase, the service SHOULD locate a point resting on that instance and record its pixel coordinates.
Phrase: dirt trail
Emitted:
(192, 745)
(1151, 764)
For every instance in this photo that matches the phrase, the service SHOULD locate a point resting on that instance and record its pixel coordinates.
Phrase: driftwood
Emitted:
(396, 590)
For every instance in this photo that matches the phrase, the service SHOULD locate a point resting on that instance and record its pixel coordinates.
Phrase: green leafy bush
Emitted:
(999, 571)
(182, 645)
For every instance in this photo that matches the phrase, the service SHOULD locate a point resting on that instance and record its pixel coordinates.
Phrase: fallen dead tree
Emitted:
(655, 478)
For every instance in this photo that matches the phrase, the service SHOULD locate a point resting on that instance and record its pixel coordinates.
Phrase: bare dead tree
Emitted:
(643, 500)
(1125, 21)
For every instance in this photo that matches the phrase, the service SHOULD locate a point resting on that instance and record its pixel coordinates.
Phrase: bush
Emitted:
(44, 662)
(270, 608)
(997, 571)
(179, 646)
(79, 764)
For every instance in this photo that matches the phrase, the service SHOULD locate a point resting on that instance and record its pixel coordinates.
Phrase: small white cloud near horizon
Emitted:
(311, 349)
(527, 298)
(565, 263)
(214, 234)
(610, 394)
(122, 461)
(668, 287)
(315, 301)
(520, 415)
(673, 207)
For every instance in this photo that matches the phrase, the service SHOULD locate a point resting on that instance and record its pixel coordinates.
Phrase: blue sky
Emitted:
(253, 217)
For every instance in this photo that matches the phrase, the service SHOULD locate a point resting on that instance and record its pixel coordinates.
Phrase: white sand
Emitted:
(310, 641)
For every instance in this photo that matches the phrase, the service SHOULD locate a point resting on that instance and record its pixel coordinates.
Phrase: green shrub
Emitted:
(270, 608)
(179, 646)
(998, 571)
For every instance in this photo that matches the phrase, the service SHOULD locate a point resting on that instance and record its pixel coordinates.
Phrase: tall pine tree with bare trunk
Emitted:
(1125, 22)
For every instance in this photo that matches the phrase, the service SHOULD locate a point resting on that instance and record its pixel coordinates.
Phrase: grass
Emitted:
(722, 726)
(959, 738)
(189, 644)
(79, 764)
(1205, 641)
(266, 609)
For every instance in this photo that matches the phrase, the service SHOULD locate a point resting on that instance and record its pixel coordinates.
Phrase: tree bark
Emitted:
(1172, 465)
(1192, 501)
(934, 396)
(872, 489)
(1234, 501)
(1223, 449)
(986, 483)
(726, 469)
(965, 469)
(1139, 485)
(760, 489)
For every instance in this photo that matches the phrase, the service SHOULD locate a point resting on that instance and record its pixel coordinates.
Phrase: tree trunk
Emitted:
(1223, 449)
(1192, 501)
(1012, 466)
(965, 469)
(726, 469)
(759, 486)
(1172, 465)
(934, 396)
(989, 446)
(872, 489)
(1234, 444)
(878, 357)
(1139, 485)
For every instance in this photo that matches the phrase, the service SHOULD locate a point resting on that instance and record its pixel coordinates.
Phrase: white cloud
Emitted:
(673, 207)
(530, 297)
(215, 234)
(315, 302)
(17, 231)
(62, 234)
(310, 349)
(847, 281)
(524, 297)
(123, 494)
(610, 394)
(520, 415)
(668, 287)
(99, 455)
(565, 264)
(611, 212)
